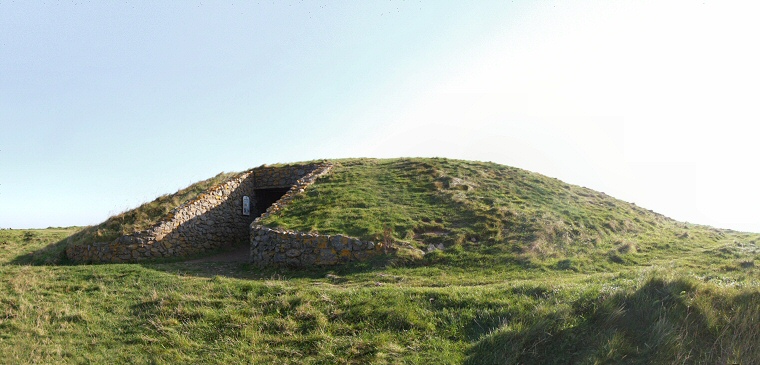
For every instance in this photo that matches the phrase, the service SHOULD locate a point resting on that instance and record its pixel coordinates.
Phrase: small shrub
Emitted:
(29, 236)
(614, 257)
(626, 247)
(747, 264)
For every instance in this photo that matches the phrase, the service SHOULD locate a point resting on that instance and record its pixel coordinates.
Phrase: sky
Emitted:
(106, 105)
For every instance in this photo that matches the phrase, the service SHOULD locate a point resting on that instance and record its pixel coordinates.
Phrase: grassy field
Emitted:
(532, 270)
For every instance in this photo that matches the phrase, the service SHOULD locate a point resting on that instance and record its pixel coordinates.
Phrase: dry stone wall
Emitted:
(297, 188)
(277, 247)
(211, 221)
(273, 247)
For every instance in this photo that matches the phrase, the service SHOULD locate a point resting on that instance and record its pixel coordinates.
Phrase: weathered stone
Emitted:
(322, 241)
(356, 244)
(337, 242)
(327, 256)
(308, 259)
(293, 253)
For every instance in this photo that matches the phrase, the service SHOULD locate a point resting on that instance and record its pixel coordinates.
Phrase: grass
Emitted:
(640, 292)
(684, 311)
(485, 214)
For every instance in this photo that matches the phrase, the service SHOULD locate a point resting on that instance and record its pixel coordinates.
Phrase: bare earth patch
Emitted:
(240, 255)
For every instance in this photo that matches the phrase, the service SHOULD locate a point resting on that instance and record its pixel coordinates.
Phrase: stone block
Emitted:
(308, 259)
(337, 242)
(322, 242)
(327, 257)
(293, 253)
(356, 244)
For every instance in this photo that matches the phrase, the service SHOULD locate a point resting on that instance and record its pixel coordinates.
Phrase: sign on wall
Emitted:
(246, 205)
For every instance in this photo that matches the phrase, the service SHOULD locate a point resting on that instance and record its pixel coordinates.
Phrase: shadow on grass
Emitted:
(52, 254)
(214, 263)
(655, 324)
(202, 264)
(244, 270)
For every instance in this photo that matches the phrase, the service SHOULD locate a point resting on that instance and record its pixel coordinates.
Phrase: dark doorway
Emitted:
(266, 197)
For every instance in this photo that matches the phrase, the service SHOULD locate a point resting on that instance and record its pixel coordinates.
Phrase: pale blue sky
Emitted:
(104, 106)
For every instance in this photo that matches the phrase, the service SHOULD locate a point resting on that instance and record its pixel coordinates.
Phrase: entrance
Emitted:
(266, 197)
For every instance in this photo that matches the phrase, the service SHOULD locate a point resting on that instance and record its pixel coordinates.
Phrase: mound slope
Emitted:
(523, 269)
(454, 212)
(480, 212)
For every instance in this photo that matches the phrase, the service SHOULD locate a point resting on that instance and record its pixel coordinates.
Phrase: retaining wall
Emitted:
(211, 221)
(277, 247)
(273, 247)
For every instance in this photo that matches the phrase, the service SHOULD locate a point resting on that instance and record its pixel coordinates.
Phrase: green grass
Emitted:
(222, 313)
(650, 291)
(485, 214)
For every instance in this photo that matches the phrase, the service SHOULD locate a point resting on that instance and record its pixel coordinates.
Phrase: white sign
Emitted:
(246, 205)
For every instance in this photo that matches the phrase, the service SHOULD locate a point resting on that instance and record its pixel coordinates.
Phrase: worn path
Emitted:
(239, 254)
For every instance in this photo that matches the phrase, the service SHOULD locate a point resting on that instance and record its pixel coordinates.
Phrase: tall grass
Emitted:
(223, 313)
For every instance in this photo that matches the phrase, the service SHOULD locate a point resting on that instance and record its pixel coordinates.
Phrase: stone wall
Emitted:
(277, 247)
(273, 247)
(297, 187)
(286, 176)
(212, 221)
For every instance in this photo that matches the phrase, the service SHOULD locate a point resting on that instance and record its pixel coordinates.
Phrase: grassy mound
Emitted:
(483, 214)
(531, 270)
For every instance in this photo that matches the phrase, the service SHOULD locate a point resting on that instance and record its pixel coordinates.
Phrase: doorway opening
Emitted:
(266, 197)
